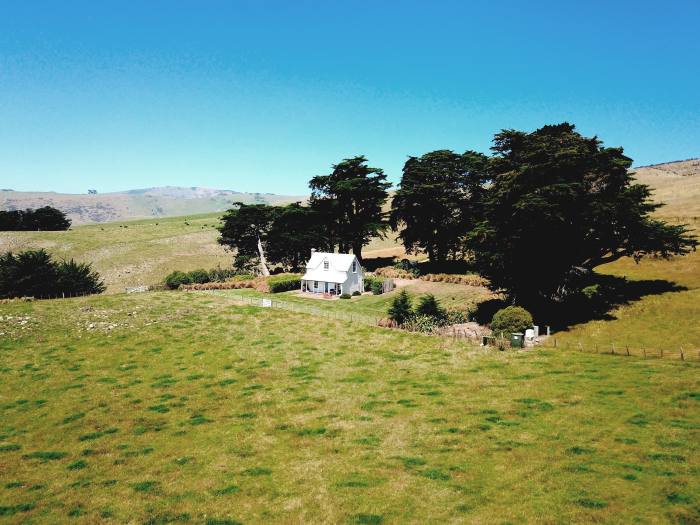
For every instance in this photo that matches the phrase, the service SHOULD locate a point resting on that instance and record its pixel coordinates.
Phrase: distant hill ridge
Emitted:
(675, 183)
(140, 203)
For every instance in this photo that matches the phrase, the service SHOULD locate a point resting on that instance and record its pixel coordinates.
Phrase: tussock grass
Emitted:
(217, 413)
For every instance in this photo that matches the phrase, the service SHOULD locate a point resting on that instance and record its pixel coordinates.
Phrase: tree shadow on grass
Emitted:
(595, 302)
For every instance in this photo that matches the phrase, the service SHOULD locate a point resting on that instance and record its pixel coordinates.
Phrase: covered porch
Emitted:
(321, 287)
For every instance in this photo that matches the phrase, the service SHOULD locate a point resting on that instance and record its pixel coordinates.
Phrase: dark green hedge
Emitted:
(33, 273)
(284, 283)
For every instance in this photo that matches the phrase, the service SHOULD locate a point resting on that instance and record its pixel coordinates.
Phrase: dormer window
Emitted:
(325, 265)
(354, 266)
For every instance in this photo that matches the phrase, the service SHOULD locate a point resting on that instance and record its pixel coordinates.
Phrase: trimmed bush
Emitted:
(377, 288)
(199, 276)
(175, 279)
(258, 283)
(345, 296)
(284, 283)
(356, 293)
(511, 319)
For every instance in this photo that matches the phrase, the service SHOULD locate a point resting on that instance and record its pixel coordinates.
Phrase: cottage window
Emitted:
(354, 266)
(315, 284)
(325, 265)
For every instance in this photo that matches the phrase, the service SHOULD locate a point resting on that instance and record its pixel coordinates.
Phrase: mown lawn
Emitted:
(449, 295)
(185, 408)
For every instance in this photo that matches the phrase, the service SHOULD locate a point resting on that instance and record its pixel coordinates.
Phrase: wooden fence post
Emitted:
(644, 352)
(628, 350)
(682, 356)
(612, 348)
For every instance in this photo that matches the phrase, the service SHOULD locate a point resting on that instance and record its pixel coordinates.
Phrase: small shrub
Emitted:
(356, 293)
(369, 282)
(422, 323)
(400, 311)
(455, 316)
(220, 274)
(511, 319)
(393, 273)
(465, 279)
(345, 296)
(175, 279)
(199, 276)
(377, 288)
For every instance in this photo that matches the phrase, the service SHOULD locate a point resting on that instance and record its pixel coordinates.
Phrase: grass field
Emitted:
(132, 253)
(186, 408)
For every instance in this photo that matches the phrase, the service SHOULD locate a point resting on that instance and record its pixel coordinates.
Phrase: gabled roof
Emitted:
(339, 264)
(338, 261)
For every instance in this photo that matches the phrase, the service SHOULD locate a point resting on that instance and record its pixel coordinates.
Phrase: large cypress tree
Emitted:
(243, 227)
(559, 205)
(295, 230)
(350, 200)
(438, 201)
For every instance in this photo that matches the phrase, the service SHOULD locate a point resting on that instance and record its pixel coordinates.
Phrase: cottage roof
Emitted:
(339, 264)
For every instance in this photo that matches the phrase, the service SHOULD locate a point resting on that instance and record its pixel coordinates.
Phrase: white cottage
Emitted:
(333, 273)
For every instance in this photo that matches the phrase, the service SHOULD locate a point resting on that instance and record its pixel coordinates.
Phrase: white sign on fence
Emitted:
(267, 303)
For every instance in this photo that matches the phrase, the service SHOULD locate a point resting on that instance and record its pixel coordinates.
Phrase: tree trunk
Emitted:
(357, 250)
(263, 262)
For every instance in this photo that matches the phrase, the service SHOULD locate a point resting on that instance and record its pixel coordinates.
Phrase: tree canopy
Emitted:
(244, 224)
(287, 233)
(560, 204)
(438, 201)
(349, 201)
(46, 218)
(295, 230)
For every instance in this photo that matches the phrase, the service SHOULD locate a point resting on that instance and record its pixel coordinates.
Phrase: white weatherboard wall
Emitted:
(338, 268)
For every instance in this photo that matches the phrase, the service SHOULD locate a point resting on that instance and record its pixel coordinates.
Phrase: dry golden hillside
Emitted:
(677, 184)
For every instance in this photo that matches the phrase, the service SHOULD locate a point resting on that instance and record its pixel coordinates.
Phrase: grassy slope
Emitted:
(276, 419)
(134, 252)
(668, 320)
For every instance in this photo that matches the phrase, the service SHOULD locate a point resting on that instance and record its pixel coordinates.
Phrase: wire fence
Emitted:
(680, 354)
(615, 348)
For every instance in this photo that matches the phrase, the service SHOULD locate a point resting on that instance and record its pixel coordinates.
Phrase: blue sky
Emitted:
(261, 96)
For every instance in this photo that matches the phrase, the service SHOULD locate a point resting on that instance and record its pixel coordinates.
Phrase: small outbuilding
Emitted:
(333, 274)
